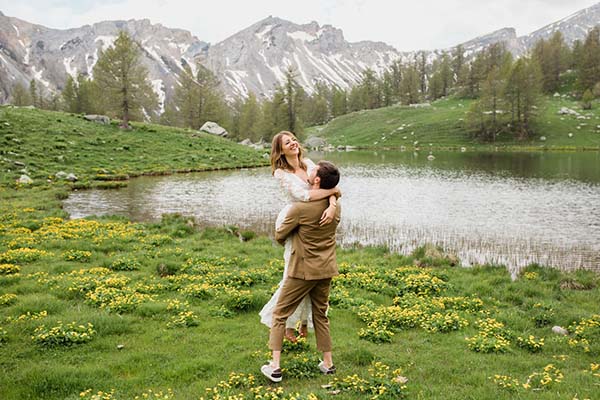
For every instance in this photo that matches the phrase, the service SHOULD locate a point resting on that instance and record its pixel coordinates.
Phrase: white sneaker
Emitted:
(274, 374)
(325, 370)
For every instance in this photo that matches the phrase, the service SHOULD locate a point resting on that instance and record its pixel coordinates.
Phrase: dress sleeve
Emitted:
(291, 186)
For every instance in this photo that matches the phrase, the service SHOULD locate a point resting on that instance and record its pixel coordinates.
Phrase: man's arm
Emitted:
(288, 225)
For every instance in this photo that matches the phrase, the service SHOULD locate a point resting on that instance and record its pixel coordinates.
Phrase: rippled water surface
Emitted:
(507, 208)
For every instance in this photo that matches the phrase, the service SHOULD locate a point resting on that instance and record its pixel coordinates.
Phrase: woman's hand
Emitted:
(328, 215)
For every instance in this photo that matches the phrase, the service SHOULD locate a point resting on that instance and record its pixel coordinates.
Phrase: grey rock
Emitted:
(214, 129)
(61, 175)
(559, 330)
(246, 142)
(252, 60)
(315, 142)
(567, 111)
(25, 180)
(71, 177)
(100, 119)
(19, 164)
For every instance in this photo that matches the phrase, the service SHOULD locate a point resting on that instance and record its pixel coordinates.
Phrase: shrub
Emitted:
(125, 264)
(77, 255)
(531, 343)
(9, 269)
(302, 366)
(62, 335)
(184, 319)
(8, 299)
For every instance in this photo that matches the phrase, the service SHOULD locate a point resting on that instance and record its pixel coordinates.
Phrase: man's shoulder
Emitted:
(302, 206)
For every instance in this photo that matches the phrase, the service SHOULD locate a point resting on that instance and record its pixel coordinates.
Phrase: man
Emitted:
(311, 267)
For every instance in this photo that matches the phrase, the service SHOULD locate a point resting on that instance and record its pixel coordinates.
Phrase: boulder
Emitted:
(61, 175)
(71, 177)
(420, 105)
(25, 180)
(214, 129)
(315, 142)
(246, 142)
(19, 163)
(99, 119)
(543, 138)
(567, 111)
(559, 330)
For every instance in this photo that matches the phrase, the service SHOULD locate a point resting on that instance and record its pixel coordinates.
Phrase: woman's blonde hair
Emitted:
(278, 160)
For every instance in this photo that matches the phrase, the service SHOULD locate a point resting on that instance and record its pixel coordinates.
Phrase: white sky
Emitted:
(406, 25)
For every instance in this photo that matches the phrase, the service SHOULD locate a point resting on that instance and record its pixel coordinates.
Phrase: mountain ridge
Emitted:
(251, 60)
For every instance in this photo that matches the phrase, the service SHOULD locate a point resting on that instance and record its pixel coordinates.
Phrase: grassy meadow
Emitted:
(104, 308)
(442, 126)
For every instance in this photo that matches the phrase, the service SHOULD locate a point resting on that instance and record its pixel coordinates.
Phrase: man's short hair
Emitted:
(329, 175)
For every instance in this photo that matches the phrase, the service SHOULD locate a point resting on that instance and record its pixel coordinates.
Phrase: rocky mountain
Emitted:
(29, 51)
(256, 59)
(253, 60)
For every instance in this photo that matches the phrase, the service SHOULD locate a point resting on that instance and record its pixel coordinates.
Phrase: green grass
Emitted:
(42, 143)
(134, 349)
(442, 126)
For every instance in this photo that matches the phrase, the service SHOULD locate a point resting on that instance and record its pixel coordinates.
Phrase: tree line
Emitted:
(507, 90)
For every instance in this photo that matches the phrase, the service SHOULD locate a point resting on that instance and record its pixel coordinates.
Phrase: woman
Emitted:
(291, 169)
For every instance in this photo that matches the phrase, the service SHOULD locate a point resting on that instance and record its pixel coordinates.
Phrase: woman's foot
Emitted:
(290, 334)
(303, 330)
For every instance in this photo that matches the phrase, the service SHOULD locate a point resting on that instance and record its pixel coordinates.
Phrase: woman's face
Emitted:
(289, 146)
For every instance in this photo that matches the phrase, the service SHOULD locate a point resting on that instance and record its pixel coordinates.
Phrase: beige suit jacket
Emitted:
(313, 246)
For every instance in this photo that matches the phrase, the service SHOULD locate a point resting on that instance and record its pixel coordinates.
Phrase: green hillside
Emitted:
(42, 143)
(442, 125)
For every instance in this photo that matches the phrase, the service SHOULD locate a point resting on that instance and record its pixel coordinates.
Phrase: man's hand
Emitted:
(328, 215)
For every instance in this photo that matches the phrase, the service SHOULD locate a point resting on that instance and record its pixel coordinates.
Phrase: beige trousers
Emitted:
(292, 293)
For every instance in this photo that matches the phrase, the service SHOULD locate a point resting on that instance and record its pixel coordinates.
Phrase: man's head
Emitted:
(324, 176)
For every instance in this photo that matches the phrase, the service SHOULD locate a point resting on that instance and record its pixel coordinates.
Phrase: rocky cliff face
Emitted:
(253, 60)
(256, 59)
(30, 51)
(573, 27)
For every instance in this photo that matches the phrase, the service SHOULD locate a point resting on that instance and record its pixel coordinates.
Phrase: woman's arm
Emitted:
(318, 194)
(329, 213)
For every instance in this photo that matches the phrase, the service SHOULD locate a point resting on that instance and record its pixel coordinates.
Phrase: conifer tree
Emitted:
(410, 85)
(522, 92)
(69, 95)
(339, 102)
(589, 65)
(20, 96)
(123, 81)
(290, 90)
(586, 100)
(33, 93)
(249, 120)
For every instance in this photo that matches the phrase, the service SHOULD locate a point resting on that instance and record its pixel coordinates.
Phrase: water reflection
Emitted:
(511, 209)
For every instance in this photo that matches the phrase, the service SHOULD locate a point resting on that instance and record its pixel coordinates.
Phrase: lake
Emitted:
(494, 207)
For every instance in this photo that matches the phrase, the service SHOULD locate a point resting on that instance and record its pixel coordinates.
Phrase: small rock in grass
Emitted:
(559, 330)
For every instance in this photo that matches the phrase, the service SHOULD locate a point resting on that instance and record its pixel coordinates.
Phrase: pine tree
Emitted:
(33, 93)
(20, 96)
(459, 65)
(589, 66)
(551, 55)
(185, 98)
(586, 100)
(69, 95)
(410, 85)
(290, 89)
(339, 102)
(422, 68)
(249, 123)
(522, 92)
(123, 81)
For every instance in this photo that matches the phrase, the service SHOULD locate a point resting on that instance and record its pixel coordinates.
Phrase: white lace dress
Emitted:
(294, 189)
